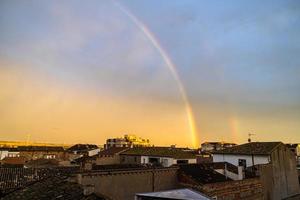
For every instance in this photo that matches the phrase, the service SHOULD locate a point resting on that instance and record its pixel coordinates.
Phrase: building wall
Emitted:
(108, 160)
(125, 159)
(250, 189)
(280, 177)
(234, 159)
(123, 185)
(93, 152)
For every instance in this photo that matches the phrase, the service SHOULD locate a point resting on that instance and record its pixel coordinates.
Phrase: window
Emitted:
(243, 163)
(182, 161)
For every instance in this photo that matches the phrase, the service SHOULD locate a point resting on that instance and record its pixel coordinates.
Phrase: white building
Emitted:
(247, 155)
(164, 156)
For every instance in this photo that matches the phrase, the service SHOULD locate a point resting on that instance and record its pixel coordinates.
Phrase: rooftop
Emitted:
(183, 194)
(57, 187)
(256, 148)
(40, 148)
(171, 152)
(83, 147)
(202, 173)
(112, 151)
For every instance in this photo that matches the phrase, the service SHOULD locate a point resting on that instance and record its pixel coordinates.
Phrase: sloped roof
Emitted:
(202, 173)
(112, 151)
(183, 194)
(51, 188)
(83, 147)
(40, 148)
(14, 160)
(176, 153)
(255, 148)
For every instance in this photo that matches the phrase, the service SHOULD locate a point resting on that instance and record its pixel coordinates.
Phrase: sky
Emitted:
(83, 72)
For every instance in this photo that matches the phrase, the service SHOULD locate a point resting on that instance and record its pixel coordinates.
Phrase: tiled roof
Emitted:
(40, 148)
(51, 188)
(256, 148)
(202, 174)
(160, 152)
(112, 151)
(14, 160)
(118, 167)
(83, 147)
(41, 162)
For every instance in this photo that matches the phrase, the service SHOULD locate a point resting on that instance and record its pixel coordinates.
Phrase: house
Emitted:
(272, 161)
(84, 149)
(110, 156)
(42, 152)
(164, 156)
(247, 155)
(183, 194)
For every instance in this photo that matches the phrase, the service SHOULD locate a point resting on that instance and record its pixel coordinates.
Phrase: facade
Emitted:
(162, 156)
(127, 141)
(215, 146)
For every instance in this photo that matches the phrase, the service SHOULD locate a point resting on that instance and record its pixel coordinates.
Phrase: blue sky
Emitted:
(238, 60)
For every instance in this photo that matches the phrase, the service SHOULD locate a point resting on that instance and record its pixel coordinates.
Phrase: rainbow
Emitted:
(171, 66)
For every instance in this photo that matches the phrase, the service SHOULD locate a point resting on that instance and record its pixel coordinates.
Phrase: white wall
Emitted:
(93, 152)
(3, 154)
(234, 159)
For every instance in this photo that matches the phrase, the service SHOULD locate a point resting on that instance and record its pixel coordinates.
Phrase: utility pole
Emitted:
(249, 140)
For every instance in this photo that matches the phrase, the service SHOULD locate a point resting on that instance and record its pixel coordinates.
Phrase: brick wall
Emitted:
(248, 189)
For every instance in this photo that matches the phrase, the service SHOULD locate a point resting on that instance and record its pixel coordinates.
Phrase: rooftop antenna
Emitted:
(249, 136)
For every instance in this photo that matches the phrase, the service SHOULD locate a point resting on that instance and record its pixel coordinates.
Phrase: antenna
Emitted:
(249, 136)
